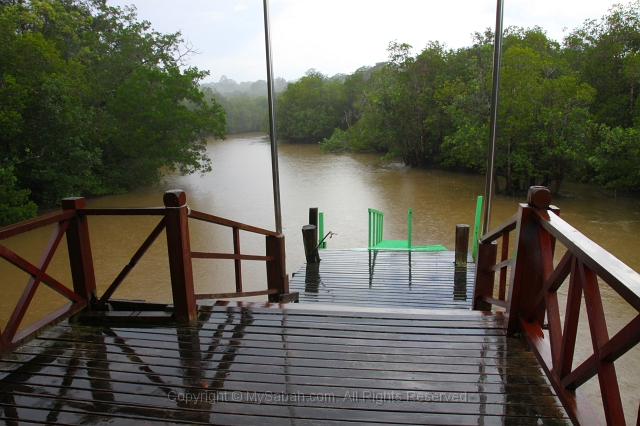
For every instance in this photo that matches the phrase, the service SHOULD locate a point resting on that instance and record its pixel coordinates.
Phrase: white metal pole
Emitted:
(272, 122)
(495, 90)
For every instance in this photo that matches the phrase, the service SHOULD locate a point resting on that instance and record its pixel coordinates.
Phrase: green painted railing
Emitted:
(409, 226)
(376, 219)
(476, 229)
(321, 244)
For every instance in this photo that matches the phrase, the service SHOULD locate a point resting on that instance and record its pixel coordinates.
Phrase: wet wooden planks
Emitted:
(249, 363)
(388, 278)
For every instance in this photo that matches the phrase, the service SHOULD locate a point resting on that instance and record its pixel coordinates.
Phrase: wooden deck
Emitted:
(386, 278)
(432, 355)
(258, 363)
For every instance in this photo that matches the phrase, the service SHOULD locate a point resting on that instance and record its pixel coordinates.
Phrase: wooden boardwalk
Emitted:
(386, 278)
(379, 337)
(258, 363)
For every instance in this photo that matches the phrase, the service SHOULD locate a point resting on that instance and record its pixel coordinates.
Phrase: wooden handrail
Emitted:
(621, 278)
(486, 266)
(534, 283)
(497, 232)
(123, 211)
(35, 223)
(72, 223)
(230, 256)
(229, 223)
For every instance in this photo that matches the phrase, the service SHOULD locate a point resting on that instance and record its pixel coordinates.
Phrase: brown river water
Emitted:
(341, 185)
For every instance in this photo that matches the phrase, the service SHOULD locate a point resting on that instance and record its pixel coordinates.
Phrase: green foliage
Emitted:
(311, 108)
(616, 159)
(93, 101)
(605, 53)
(244, 112)
(338, 142)
(14, 203)
(566, 110)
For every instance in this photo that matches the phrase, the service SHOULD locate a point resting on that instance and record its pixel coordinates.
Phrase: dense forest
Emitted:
(93, 101)
(245, 103)
(568, 110)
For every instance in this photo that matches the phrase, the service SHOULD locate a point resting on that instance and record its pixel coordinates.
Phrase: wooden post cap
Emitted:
(539, 197)
(174, 198)
(72, 203)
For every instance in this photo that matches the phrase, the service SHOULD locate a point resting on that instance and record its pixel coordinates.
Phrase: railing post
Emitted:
(484, 280)
(462, 245)
(309, 241)
(79, 246)
(276, 269)
(179, 250)
(526, 279)
(237, 263)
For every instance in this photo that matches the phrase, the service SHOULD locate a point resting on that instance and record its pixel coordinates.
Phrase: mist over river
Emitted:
(343, 186)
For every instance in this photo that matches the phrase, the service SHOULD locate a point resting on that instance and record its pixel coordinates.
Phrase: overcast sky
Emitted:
(339, 36)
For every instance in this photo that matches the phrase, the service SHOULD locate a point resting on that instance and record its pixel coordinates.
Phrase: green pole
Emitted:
(321, 230)
(476, 228)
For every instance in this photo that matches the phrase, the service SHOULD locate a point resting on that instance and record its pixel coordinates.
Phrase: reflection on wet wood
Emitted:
(396, 279)
(257, 363)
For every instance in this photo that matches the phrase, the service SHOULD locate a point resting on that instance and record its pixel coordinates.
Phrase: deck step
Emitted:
(265, 363)
(397, 279)
(127, 317)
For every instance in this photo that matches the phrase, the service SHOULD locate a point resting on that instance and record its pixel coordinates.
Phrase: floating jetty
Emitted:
(377, 336)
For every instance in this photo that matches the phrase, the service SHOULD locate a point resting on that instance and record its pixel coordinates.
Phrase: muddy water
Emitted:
(343, 186)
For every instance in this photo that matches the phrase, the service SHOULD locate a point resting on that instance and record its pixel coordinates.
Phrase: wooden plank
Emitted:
(608, 380)
(502, 266)
(576, 404)
(34, 281)
(570, 330)
(235, 294)
(277, 277)
(179, 250)
(68, 349)
(434, 335)
(79, 249)
(119, 373)
(497, 232)
(122, 211)
(33, 330)
(347, 278)
(128, 317)
(237, 263)
(624, 280)
(399, 404)
(32, 270)
(255, 378)
(503, 271)
(35, 223)
(552, 283)
(333, 310)
(229, 256)
(229, 223)
(463, 373)
(268, 413)
(124, 388)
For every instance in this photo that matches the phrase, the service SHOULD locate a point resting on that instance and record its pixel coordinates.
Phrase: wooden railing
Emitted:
(73, 222)
(532, 297)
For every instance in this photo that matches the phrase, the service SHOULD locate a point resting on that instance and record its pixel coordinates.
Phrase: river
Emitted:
(341, 185)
